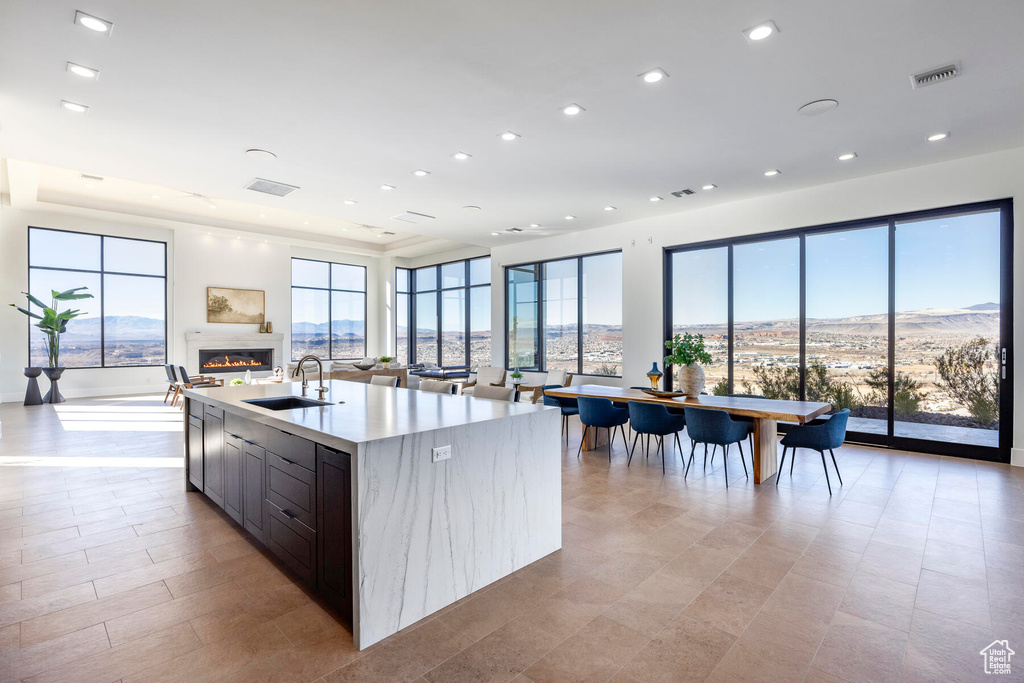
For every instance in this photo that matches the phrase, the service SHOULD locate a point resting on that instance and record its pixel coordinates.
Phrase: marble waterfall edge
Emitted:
(429, 534)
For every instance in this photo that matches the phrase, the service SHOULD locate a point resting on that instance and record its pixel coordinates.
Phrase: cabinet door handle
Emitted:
(285, 460)
(287, 514)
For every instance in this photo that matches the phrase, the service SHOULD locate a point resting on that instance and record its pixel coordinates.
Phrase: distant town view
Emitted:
(127, 340)
(847, 359)
(347, 339)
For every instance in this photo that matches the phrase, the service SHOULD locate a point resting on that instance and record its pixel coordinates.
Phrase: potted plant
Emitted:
(686, 352)
(53, 323)
(517, 376)
(386, 361)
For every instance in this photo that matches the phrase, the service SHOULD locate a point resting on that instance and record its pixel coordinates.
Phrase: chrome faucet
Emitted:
(321, 390)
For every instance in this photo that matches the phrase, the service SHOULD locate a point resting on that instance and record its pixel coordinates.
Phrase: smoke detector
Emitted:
(682, 193)
(270, 187)
(933, 76)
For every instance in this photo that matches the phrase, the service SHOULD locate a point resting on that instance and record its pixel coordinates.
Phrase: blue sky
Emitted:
(951, 262)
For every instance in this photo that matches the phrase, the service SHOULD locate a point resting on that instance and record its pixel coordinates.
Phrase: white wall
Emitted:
(991, 176)
(196, 259)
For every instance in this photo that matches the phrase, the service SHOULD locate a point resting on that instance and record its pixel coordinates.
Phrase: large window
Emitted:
(328, 310)
(566, 315)
(903, 319)
(443, 314)
(125, 323)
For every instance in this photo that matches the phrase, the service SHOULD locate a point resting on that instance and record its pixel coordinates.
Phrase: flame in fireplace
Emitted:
(227, 363)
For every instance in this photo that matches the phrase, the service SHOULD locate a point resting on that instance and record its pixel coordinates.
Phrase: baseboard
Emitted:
(99, 392)
(1017, 457)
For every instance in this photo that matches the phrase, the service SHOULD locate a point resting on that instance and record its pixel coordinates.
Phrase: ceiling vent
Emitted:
(412, 217)
(682, 193)
(933, 76)
(86, 176)
(270, 187)
(386, 233)
(513, 230)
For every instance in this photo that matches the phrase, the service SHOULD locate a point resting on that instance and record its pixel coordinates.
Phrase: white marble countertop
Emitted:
(369, 413)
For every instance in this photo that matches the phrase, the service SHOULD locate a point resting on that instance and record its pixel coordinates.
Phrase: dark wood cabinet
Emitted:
(213, 454)
(292, 488)
(292, 541)
(195, 451)
(253, 491)
(334, 528)
(233, 477)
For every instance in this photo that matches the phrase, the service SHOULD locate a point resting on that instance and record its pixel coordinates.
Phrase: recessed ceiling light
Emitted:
(709, 186)
(89, 185)
(534, 225)
(509, 136)
(570, 218)
(74, 106)
(212, 206)
(817, 107)
(420, 173)
(760, 31)
(609, 208)
(461, 156)
(83, 71)
(260, 154)
(93, 23)
(496, 234)
(654, 199)
(772, 171)
(387, 187)
(937, 137)
(156, 196)
(305, 222)
(349, 202)
(471, 207)
(847, 157)
(263, 215)
(572, 109)
(654, 75)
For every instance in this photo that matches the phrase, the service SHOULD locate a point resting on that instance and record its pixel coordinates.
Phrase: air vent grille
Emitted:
(86, 176)
(933, 76)
(270, 187)
(412, 217)
(513, 230)
(682, 193)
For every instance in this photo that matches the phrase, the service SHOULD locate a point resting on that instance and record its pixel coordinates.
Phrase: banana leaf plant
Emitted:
(52, 322)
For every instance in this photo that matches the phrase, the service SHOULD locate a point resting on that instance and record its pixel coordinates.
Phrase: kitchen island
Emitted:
(391, 503)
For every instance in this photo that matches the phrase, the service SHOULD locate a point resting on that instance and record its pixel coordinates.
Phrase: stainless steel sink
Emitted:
(286, 403)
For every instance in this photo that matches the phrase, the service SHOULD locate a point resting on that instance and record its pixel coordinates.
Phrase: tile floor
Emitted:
(109, 572)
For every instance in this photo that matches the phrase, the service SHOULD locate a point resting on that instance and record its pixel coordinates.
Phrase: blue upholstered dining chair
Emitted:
(602, 413)
(819, 435)
(568, 407)
(715, 427)
(653, 419)
(743, 418)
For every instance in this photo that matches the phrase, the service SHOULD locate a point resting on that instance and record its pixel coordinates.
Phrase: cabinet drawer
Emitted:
(292, 488)
(292, 541)
(195, 408)
(290, 447)
(215, 412)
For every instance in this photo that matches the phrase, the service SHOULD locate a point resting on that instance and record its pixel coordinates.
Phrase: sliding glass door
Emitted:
(905, 320)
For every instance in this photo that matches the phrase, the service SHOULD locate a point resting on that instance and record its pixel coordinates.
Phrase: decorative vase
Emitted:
(655, 376)
(270, 327)
(691, 380)
(32, 397)
(263, 328)
(394, 365)
(53, 395)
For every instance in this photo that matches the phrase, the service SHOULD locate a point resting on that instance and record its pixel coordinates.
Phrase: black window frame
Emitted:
(540, 266)
(101, 298)
(330, 304)
(412, 291)
(890, 439)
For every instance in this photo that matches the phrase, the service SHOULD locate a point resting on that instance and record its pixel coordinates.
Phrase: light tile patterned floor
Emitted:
(109, 572)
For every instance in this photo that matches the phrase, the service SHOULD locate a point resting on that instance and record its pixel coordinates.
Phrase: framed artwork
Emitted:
(225, 305)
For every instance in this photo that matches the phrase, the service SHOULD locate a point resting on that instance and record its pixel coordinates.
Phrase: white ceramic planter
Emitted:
(690, 380)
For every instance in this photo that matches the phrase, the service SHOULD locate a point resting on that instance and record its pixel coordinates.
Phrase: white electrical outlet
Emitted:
(440, 453)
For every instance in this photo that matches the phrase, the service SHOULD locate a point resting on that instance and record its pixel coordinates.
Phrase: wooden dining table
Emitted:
(766, 413)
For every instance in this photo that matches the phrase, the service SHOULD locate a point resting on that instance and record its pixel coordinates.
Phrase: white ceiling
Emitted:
(353, 95)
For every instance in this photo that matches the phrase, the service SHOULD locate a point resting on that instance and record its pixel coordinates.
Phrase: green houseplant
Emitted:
(687, 352)
(53, 323)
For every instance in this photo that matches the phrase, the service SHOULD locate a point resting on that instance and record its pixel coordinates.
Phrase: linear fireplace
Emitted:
(235, 360)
